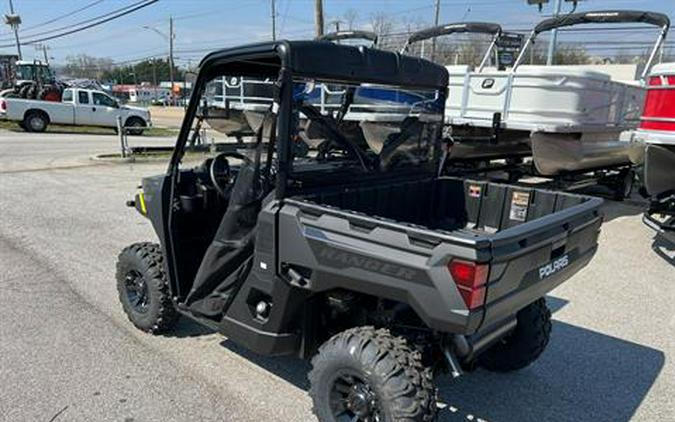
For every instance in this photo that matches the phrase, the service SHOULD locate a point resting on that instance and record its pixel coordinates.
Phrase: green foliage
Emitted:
(105, 69)
(153, 70)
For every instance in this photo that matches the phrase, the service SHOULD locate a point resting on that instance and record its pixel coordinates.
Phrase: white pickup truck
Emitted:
(77, 107)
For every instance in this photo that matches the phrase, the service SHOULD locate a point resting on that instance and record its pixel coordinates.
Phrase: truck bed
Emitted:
(532, 239)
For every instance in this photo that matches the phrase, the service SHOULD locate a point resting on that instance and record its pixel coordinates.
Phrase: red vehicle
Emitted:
(657, 131)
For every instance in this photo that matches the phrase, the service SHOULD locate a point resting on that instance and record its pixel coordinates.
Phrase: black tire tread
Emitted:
(525, 344)
(416, 401)
(151, 254)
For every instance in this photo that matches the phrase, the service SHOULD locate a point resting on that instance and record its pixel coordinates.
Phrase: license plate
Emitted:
(554, 266)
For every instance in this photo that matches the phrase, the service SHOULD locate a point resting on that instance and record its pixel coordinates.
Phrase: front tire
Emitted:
(135, 126)
(524, 344)
(368, 374)
(143, 287)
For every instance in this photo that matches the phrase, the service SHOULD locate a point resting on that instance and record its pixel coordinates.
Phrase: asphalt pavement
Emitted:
(67, 352)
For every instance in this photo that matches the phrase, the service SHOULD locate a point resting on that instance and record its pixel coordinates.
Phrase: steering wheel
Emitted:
(220, 173)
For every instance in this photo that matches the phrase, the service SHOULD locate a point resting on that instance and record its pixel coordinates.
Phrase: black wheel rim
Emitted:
(353, 399)
(137, 292)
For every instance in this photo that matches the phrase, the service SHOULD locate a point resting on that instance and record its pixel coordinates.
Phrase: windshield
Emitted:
(33, 72)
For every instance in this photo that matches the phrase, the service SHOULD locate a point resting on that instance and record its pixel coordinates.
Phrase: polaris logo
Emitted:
(554, 266)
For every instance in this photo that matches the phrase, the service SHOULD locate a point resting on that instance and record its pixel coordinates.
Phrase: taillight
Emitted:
(470, 279)
(3, 105)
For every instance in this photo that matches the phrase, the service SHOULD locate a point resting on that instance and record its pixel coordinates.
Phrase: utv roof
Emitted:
(326, 60)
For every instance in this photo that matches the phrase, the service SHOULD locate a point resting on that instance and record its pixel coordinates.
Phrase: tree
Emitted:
(350, 16)
(381, 24)
(87, 67)
(149, 70)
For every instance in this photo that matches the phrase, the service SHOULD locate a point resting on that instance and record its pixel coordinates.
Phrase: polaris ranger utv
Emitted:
(357, 254)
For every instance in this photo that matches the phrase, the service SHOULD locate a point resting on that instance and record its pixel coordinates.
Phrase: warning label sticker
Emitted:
(474, 191)
(519, 204)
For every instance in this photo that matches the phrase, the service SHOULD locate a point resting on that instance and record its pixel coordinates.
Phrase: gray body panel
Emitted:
(408, 263)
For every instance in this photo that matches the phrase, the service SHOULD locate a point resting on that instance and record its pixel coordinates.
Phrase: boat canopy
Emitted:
(452, 28)
(604, 16)
(349, 35)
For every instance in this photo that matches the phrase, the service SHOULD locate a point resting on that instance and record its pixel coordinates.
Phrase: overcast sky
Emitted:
(201, 25)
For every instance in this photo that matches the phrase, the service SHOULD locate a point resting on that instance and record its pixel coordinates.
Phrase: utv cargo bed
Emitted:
(532, 240)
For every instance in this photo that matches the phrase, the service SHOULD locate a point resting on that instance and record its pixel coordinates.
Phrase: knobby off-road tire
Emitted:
(524, 344)
(143, 288)
(371, 364)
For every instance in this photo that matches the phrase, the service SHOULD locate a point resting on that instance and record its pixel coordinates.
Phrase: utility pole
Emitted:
(318, 17)
(554, 35)
(274, 21)
(437, 13)
(43, 48)
(171, 37)
(14, 21)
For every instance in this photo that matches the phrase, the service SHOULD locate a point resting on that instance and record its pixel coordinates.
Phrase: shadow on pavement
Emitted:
(188, 328)
(612, 209)
(582, 376)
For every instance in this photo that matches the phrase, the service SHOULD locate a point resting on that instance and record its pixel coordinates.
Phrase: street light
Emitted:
(170, 37)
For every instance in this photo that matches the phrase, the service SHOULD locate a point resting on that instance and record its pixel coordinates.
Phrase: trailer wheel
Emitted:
(368, 374)
(35, 121)
(143, 288)
(524, 344)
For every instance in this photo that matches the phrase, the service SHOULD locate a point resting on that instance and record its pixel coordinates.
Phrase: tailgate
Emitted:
(532, 258)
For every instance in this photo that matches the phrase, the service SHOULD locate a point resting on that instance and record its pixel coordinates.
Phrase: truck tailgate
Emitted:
(529, 260)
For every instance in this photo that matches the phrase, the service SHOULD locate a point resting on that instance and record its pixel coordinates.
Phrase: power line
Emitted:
(65, 15)
(86, 21)
(100, 22)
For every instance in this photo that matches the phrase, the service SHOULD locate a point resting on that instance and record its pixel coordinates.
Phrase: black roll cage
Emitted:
(306, 59)
(282, 61)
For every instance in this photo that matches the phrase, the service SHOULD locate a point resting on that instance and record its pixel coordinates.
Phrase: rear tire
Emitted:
(369, 374)
(143, 287)
(524, 344)
(35, 121)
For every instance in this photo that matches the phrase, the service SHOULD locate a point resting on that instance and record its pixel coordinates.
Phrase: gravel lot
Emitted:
(65, 345)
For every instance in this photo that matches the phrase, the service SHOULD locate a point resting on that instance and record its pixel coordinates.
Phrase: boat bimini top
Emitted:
(458, 28)
(349, 35)
(599, 17)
